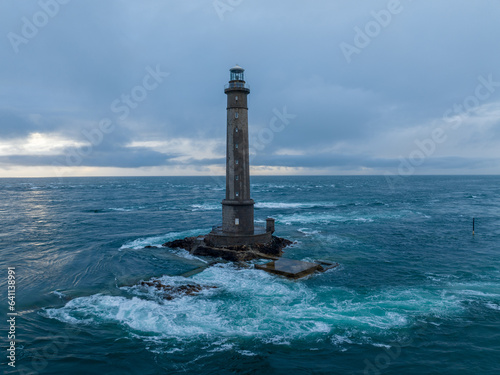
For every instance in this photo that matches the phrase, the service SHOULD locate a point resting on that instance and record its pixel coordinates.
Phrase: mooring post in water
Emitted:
(473, 225)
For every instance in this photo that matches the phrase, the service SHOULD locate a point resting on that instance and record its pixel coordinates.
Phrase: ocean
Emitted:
(415, 291)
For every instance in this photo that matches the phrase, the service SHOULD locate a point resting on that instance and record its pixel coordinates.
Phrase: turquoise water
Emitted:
(415, 291)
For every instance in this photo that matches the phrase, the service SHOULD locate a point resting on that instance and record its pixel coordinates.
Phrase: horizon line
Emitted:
(270, 175)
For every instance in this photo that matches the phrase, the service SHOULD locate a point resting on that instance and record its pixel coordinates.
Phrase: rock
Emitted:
(327, 265)
(227, 254)
(172, 291)
(198, 246)
(275, 247)
(186, 243)
(291, 268)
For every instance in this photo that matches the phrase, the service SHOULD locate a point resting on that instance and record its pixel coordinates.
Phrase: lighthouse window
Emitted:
(236, 221)
(236, 115)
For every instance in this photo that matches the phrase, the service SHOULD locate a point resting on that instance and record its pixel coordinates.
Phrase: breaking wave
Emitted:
(157, 241)
(247, 303)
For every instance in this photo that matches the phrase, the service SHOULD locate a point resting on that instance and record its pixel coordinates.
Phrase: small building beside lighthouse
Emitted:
(238, 227)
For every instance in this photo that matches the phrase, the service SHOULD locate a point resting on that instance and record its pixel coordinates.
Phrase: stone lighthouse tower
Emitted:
(238, 238)
(237, 208)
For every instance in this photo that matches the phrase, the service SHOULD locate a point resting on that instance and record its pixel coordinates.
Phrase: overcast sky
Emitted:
(122, 87)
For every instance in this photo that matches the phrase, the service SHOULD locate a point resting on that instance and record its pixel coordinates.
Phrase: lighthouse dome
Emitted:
(237, 68)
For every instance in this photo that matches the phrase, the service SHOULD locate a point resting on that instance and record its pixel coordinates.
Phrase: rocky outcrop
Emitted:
(275, 247)
(172, 291)
(198, 246)
(186, 243)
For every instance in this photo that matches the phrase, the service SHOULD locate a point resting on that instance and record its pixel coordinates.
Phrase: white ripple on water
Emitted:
(205, 207)
(493, 306)
(283, 205)
(127, 209)
(250, 304)
(308, 231)
(318, 218)
(269, 205)
(59, 294)
(488, 293)
(354, 216)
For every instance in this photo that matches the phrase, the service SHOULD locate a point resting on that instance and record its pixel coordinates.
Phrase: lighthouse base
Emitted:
(272, 249)
(219, 238)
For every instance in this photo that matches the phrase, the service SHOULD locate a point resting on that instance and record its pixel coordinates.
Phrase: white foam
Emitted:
(170, 351)
(127, 209)
(493, 306)
(478, 293)
(309, 217)
(339, 340)
(248, 303)
(475, 290)
(271, 186)
(222, 348)
(382, 346)
(186, 255)
(308, 231)
(276, 340)
(59, 294)
(282, 205)
(205, 207)
(364, 220)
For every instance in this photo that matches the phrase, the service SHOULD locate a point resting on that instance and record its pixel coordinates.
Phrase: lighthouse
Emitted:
(238, 226)
(238, 207)
(238, 238)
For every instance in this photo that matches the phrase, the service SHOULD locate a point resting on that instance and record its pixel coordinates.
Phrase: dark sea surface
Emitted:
(415, 292)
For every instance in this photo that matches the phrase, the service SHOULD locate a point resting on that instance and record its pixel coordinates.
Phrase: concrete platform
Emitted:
(201, 245)
(218, 238)
(294, 269)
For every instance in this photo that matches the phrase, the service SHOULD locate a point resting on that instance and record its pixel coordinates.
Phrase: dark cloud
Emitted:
(13, 125)
(119, 158)
(358, 162)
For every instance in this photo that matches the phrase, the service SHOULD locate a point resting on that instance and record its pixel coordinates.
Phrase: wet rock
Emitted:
(173, 291)
(186, 243)
(275, 247)
(197, 246)
(224, 253)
